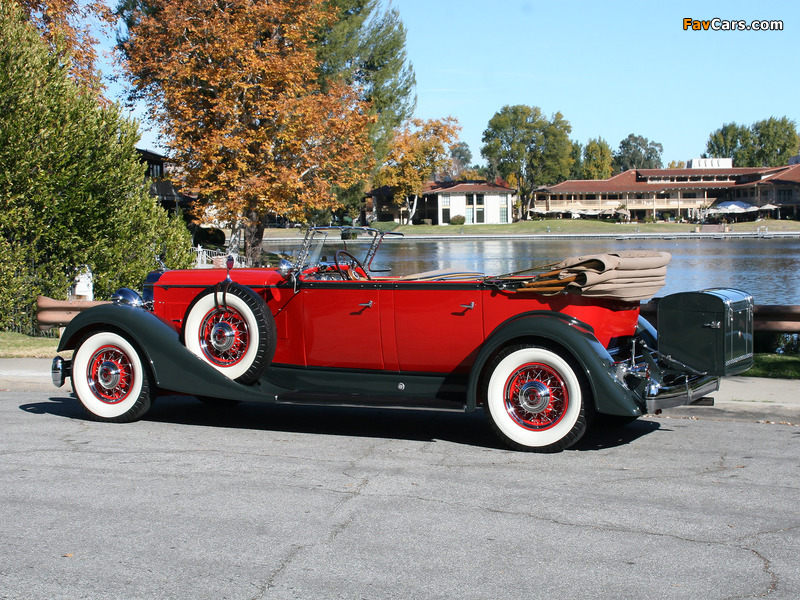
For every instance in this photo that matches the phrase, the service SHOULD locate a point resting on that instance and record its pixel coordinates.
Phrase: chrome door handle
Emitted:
(469, 306)
(367, 304)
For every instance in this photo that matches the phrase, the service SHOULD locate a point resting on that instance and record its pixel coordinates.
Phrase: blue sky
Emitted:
(611, 68)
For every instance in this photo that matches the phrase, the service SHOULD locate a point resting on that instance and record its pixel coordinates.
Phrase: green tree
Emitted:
(766, 143)
(731, 141)
(512, 133)
(339, 42)
(527, 150)
(597, 159)
(366, 48)
(552, 162)
(576, 172)
(637, 152)
(73, 191)
(460, 159)
(774, 141)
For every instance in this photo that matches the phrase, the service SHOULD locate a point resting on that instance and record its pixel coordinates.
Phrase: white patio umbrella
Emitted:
(734, 206)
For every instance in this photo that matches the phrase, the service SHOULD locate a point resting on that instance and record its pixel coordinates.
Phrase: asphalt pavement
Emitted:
(297, 502)
(739, 398)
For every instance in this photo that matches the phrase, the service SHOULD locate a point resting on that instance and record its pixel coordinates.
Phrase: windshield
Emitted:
(321, 244)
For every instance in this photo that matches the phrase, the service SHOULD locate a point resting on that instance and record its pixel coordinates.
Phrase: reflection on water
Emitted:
(769, 269)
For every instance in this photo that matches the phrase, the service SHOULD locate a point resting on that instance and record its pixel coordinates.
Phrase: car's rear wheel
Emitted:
(110, 378)
(232, 329)
(536, 399)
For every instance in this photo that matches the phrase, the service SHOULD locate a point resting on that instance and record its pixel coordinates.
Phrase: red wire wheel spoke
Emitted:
(536, 396)
(110, 374)
(224, 336)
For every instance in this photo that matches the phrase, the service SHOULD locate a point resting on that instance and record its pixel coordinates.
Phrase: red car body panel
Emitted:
(387, 324)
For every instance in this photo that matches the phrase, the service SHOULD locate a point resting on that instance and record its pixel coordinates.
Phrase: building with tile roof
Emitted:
(440, 201)
(675, 193)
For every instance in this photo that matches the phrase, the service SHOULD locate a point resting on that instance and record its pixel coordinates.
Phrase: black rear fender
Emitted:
(566, 335)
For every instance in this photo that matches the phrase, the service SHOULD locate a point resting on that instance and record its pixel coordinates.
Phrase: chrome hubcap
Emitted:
(108, 375)
(533, 397)
(223, 337)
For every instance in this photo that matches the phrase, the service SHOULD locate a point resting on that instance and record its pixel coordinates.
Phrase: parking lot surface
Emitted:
(301, 502)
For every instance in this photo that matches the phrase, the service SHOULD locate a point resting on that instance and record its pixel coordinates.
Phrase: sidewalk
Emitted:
(739, 398)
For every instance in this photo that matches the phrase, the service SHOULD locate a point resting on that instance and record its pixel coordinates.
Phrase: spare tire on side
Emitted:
(231, 328)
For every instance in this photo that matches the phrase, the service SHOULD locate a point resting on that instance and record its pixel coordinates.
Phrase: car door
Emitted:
(341, 325)
(438, 326)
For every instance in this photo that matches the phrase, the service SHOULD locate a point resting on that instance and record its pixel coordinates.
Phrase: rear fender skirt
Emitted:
(610, 395)
(174, 367)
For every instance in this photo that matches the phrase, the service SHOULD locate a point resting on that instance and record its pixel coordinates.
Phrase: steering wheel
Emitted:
(353, 264)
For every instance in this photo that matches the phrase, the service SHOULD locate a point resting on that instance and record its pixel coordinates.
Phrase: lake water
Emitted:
(767, 268)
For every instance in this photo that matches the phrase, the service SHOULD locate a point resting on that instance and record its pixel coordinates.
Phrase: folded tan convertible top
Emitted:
(631, 276)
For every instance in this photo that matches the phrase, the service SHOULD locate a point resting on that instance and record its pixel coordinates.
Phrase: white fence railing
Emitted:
(215, 259)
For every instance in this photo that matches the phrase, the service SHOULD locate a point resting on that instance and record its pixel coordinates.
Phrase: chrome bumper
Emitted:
(660, 396)
(60, 370)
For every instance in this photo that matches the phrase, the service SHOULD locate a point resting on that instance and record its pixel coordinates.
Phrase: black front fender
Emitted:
(611, 396)
(174, 367)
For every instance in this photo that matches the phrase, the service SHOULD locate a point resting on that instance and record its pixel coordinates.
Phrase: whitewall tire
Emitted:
(535, 399)
(110, 378)
(232, 329)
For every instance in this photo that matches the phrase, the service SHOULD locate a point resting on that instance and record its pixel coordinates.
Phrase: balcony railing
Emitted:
(629, 203)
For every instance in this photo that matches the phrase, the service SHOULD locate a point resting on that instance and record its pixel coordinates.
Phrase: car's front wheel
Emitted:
(110, 378)
(535, 399)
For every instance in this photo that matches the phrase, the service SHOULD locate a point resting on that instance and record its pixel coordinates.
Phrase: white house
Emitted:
(476, 201)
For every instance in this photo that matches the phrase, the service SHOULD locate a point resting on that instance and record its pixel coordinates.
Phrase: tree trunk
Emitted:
(521, 207)
(527, 208)
(412, 208)
(253, 235)
(236, 238)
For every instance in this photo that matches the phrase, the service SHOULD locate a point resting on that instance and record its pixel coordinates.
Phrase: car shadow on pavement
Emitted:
(61, 406)
(604, 436)
(457, 427)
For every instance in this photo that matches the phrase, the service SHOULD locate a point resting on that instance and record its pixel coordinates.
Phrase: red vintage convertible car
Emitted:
(541, 351)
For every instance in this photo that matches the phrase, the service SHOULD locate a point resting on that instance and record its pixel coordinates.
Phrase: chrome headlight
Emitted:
(127, 296)
(285, 267)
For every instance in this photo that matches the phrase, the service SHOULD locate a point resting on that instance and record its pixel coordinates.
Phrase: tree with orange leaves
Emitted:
(65, 25)
(418, 151)
(233, 84)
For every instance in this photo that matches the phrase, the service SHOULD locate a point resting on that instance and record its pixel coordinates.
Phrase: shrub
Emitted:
(458, 220)
(73, 191)
(384, 225)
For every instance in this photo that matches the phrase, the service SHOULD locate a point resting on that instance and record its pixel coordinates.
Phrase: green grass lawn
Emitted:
(17, 345)
(776, 366)
(563, 226)
(586, 226)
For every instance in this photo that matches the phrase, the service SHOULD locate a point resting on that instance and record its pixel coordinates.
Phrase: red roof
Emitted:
(466, 187)
(790, 174)
(649, 180)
